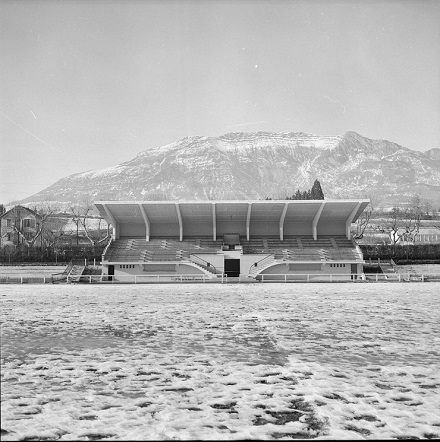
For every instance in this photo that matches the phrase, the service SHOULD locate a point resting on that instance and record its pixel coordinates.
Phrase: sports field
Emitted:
(275, 361)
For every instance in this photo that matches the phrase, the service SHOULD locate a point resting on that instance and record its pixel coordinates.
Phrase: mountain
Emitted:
(257, 165)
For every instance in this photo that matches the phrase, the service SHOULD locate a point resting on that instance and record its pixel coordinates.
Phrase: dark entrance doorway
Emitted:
(354, 271)
(232, 267)
(111, 270)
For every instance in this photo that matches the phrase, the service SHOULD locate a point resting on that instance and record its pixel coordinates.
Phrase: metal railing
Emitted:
(143, 279)
(223, 278)
(201, 262)
(257, 266)
(334, 277)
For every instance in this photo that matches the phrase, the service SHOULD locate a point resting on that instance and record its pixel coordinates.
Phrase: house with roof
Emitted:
(20, 225)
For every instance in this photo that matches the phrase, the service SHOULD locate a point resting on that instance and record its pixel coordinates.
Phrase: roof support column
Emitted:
(248, 220)
(147, 222)
(315, 221)
(214, 223)
(179, 216)
(113, 222)
(350, 219)
(282, 218)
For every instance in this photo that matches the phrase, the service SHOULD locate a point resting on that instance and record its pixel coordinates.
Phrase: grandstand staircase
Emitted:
(76, 273)
(387, 268)
(261, 265)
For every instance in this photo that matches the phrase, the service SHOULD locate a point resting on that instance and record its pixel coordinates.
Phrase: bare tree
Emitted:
(30, 237)
(363, 221)
(54, 231)
(82, 216)
(403, 223)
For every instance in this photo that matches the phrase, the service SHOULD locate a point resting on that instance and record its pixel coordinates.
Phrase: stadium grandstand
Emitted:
(253, 240)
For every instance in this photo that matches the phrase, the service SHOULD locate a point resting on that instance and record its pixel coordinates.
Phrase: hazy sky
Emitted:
(89, 84)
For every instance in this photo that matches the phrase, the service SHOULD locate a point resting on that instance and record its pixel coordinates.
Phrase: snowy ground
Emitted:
(220, 361)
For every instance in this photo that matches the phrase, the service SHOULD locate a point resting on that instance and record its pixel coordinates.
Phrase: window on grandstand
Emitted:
(9, 223)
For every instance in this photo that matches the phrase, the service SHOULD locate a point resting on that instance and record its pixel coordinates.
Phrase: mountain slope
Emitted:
(257, 165)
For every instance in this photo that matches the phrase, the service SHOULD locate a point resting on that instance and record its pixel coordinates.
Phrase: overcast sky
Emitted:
(89, 84)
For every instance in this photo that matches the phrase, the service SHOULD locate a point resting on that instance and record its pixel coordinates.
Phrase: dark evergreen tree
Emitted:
(298, 195)
(316, 192)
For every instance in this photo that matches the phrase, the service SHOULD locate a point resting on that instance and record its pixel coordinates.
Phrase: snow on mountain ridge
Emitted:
(256, 165)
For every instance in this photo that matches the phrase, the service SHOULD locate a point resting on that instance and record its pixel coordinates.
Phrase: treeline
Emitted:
(314, 193)
(50, 255)
(402, 253)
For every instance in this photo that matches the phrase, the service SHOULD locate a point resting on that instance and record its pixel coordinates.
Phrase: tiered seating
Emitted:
(304, 248)
(254, 245)
(123, 250)
(321, 242)
(292, 248)
(343, 242)
(159, 249)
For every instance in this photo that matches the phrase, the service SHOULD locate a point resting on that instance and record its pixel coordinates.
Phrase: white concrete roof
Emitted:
(233, 210)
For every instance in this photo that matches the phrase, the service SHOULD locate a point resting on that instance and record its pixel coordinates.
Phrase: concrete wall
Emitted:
(164, 229)
(198, 229)
(337, 268)
(184, 269)
(257, 229)
(335, 228)
(298, 228)
(159, 268)
(231, 227)
(311, 268)
(132, 230)
(120, 270)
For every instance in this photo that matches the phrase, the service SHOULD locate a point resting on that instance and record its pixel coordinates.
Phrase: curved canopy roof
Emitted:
(253, 211)
(197, 211)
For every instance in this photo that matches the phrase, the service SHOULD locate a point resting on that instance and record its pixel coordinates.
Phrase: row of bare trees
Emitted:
(400, 224)
(54, 230)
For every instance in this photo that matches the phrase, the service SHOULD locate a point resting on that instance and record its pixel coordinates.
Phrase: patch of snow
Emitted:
(220, 362)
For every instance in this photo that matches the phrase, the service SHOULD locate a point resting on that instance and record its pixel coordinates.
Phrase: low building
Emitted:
(280, 239)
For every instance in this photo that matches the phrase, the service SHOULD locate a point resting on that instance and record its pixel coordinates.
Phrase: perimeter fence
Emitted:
(203, 278)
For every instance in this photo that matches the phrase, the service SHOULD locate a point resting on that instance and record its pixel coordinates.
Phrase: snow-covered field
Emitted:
(177, 362)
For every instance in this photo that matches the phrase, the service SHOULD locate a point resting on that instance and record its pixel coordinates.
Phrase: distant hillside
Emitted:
(257, 165)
